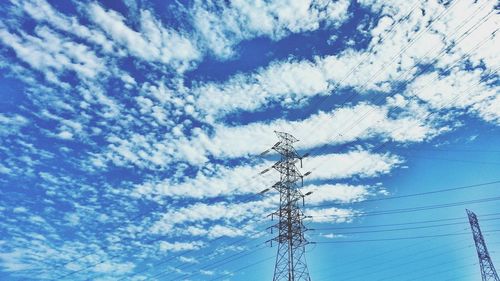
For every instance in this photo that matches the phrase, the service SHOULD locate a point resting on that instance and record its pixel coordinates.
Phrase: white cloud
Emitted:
(207, 272)
(215, 231)
(144, 126)
(20, 210)
(287, 82)
(333, 215)
(209, 182)
(153, 42)
(42, 11)
(353, 123)
(10, 124)
(223, 26)
(13, 261)
(354, 163)
(336, 192)
(114, 268)
(393, 55)
(454, 21)
(52, 54)
(202, 212)
(460, 89)
(218, 180)
(330, 235)
(190, 260)
(362, 121)
(180, 246)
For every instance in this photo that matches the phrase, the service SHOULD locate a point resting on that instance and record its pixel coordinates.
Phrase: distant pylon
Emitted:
(290, 259)
(488, 272)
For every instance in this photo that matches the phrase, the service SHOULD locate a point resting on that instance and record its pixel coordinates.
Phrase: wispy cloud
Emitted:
(115, 153)
(223, 26)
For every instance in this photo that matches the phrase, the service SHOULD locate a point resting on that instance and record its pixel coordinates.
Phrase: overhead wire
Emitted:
(157, 239)
(426, 268)
(442, 52)
(453, 160)
(239, 242)
(343, 263)
(393, 211)
(242, 268)
(406, 228)
(413, 209)
(360, 62)
(399, 224)
(124, 225)
(380, 98)
(219, 263)
(444, 271)
(179, 255)
(388, 265)
(450, 149)
(384, 144)
(402, 238)
(463, 187)
(405, 238)
(409, 44)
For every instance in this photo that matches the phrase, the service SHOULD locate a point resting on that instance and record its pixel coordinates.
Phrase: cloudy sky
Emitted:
(130, 134)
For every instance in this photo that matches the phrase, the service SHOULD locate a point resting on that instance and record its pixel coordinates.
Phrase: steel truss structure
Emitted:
(488, 272)
(290, 259)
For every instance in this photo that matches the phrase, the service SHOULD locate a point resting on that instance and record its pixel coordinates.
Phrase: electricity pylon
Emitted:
(488, 272)
(290, 259)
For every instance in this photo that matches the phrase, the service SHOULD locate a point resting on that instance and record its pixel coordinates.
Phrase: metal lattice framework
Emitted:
(488, 272)
(290, 260)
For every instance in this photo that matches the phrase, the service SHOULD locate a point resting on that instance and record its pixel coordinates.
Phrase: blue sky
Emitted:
(131, 133)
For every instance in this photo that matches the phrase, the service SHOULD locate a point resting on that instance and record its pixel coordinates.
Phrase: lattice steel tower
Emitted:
(488, 272)
(290, 260)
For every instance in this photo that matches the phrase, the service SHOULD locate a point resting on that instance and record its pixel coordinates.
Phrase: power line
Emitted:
(118, 255)
(361, 61)
(443, 271)
(221, 262)
(243, 268)
(407, 262)
(455, 160)
(439, 149)
(398, 224)
(426, 116)
(433, 206)
(416, 209)
(343, 263)
(407, 228)
(409, 44)
(382, 145)
(462, 277)
(426, 221)
(176, 256)
(443, 51)
(421, 193)
(413, 259)
(403, 249)
(400, 238)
